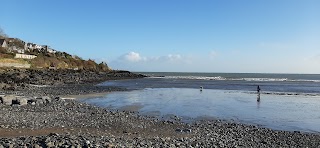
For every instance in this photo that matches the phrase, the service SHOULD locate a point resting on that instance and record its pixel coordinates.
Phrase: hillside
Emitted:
(14, 50)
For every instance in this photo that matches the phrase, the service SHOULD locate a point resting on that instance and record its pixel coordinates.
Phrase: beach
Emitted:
(53, 119)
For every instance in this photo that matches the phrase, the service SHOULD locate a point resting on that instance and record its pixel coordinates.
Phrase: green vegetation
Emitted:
(63, 60)
(58, 61)
(5, 54)
(66, 62)
(45, 59)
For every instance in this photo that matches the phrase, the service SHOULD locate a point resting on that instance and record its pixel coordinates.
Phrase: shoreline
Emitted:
(70, 119)
(85, 96)
(55, 121)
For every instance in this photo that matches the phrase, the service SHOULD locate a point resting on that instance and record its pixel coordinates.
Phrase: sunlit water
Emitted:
(280, 112)
(287, 101)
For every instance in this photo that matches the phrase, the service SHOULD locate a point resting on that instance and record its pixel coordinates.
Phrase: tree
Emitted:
(2, 34)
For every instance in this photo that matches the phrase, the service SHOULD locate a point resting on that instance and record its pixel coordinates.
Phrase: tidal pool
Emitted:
(280, 112)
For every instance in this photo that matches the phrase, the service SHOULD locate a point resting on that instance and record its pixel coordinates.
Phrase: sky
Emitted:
(241, 36)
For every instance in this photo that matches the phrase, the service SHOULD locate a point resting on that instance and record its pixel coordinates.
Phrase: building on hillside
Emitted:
(30, 46)
(24, 56)
(10, 40)
(41, 47)
(21, 51)
(15, 49)
(3, 43)
(50, 50)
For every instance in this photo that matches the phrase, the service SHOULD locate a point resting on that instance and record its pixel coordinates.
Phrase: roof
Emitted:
(1, 41)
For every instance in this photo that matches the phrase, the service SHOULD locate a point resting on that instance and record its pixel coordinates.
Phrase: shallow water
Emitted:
(287, 101)
(281, 112)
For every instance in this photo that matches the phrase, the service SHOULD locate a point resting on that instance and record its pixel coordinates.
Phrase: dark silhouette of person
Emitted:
(258, 91)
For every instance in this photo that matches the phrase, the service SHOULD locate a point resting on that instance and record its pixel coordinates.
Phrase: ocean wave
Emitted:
(286, 93)
(191, 77)
(234, 79)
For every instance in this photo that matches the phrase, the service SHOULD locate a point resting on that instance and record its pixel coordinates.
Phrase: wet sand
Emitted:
(85, 96)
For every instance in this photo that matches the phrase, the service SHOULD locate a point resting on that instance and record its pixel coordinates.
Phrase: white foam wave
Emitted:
(234, 79)
(265, 79)
(192, 77)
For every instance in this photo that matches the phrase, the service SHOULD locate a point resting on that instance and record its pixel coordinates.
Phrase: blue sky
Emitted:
(260, 36)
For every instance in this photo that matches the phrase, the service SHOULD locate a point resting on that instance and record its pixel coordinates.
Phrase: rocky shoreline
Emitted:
(13, 79)
(68, 123)
(50, 121)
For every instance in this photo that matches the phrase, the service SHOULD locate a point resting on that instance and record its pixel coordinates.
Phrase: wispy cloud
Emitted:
(171, 57)
(213, 54)
(277, 46)
(135, 57)
(315, 59)
(136, 61)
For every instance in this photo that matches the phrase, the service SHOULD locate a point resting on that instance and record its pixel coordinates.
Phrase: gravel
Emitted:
(69, 123)
(39, 117)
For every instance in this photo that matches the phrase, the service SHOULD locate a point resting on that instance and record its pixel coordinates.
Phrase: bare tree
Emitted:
(2, 33)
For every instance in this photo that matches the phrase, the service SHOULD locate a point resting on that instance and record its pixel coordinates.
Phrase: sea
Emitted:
(288, 102)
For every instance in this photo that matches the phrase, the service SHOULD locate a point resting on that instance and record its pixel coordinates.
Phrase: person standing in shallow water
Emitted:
(258, 92)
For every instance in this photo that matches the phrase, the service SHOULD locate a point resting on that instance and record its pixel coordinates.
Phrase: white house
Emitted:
(3, 43)
(39, 47)
(50, 50)
(30, 46)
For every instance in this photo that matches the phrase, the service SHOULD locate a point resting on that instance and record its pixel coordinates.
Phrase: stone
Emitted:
(50, 144)
(7, 100)
(22, 101)
(187, 130)
(179, 130)
(32, 101)
(46, 99)
(39, 101)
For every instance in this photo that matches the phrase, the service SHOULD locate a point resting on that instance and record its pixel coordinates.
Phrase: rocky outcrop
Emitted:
(10, 79)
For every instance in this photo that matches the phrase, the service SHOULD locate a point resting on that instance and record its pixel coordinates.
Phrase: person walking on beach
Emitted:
(258, 89)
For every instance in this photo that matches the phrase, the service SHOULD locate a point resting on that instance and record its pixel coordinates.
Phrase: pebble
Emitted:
(113, 128)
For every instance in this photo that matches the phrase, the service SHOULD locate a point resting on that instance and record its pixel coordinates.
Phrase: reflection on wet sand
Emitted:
(221, 104)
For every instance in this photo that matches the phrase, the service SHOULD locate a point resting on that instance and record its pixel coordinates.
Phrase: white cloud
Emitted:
(136, 57)
(137, 62)
(173, 57)
(132, 57)
(292, 63)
